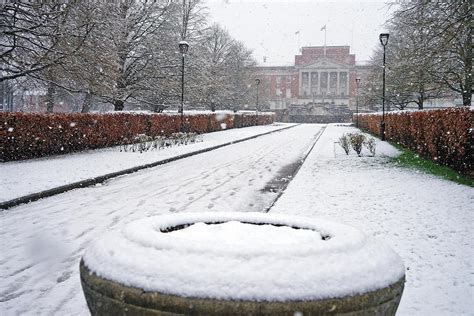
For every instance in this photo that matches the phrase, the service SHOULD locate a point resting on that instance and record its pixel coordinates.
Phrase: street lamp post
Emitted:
(183, 49)
(383, 40)
(257, 81)
(357, 102)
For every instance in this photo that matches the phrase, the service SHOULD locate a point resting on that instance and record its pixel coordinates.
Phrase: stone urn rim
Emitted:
(342, 261)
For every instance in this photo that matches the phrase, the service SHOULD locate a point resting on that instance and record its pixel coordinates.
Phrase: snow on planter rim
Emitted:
(320, 260)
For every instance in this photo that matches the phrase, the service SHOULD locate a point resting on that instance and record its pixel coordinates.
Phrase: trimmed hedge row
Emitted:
(444, 136)
(33, 135)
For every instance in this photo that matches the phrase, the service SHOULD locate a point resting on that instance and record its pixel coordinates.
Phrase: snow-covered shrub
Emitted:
(370, 145)
(344, 142)
(144, 142)
(357, 140)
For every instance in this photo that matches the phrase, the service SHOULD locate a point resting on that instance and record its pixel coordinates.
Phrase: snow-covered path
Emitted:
(427, 220)
(20, 178)
(42, 242)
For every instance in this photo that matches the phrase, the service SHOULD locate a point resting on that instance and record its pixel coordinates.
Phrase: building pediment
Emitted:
(325, 63)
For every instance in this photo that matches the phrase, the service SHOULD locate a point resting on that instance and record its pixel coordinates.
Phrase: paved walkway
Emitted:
(20, 178)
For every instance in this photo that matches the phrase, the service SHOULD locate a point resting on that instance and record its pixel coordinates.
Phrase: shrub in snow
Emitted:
(444, 136)
(370, 144)
(344, 142)
(32, 135)
(357, 140)
(241, 263)
(144, 142)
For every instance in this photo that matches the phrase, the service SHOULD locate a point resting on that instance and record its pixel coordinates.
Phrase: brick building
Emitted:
(320, 87)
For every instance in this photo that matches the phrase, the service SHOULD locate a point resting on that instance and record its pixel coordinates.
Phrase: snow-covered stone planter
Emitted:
(240, 264)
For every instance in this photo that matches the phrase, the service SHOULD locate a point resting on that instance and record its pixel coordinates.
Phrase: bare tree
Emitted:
(130, 29)
(436, 45)
(33, 37)
(223, 70)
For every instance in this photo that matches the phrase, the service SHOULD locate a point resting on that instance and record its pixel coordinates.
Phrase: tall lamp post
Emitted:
(183, 49)
(383, 40)
(257, 81)
(357, 102)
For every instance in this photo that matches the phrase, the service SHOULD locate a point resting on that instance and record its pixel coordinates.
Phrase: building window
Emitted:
(324, 83)
(305, 83)
(333, 83)
(343, 83)
(304, 78)
(314, 83)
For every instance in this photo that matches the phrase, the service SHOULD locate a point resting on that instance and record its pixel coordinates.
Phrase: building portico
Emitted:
(321, 81)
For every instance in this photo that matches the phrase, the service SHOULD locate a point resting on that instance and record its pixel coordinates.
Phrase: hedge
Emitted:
(444, 136)
(33, 135)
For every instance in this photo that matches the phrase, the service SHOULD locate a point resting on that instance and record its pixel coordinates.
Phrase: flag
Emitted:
(297, 32)
(324, 27)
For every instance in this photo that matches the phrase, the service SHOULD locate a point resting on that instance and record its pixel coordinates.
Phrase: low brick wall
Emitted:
(33, 135)
(445, 136)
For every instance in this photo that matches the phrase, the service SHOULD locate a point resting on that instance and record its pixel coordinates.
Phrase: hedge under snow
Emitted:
(244, 256)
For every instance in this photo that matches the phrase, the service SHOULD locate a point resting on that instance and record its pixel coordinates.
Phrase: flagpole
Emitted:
(299, 44)
(324, 27)
(298, 33)
(325, 40)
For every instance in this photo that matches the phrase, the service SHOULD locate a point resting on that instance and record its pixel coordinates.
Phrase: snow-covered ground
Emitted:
(42, 242)
(428, 221)
(20, 178)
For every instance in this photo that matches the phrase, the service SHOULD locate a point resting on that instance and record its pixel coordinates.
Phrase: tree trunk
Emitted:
(420, 103)
(50, 98)
(467, 91)
(86, 104)
(118, 105)
(158, 108)
(467, 98)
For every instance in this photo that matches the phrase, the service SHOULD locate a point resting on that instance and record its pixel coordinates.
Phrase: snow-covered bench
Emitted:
(240, 264)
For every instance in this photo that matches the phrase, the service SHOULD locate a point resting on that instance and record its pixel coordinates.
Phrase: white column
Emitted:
(320, 83)
(328, 91)
(309, 83)
(301, 84)
(347, 83)
(318, 90)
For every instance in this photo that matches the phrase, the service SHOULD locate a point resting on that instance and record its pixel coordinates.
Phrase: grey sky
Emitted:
(269, 27)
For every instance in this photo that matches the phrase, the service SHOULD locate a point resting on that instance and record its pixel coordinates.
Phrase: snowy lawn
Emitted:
(20, 178)
(427, 220)
(42, 242)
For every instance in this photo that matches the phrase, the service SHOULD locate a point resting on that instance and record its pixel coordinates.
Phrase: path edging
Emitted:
(300, 164)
